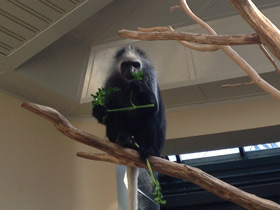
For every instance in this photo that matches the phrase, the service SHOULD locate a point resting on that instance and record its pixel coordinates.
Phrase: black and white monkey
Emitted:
(145, 126)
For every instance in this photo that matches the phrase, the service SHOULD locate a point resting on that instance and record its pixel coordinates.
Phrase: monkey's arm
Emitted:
(143, 95)
(99, 112)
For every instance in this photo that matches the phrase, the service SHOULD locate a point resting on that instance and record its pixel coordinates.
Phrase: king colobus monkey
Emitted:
(145, 126)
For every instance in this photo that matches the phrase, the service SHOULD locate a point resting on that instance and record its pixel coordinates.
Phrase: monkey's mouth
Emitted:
(128, 73)
(128, 68)
(129, 77)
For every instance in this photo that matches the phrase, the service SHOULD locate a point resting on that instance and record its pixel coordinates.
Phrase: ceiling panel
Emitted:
(147, 13)
(8, 42)
(4, 48)
(39, 10)
(190, 78)
(19, 15)
(16, 28)
(61, 5)
(21, 20)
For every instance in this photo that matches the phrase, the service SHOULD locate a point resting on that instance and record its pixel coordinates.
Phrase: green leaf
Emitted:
(101, 94)
(138, 75)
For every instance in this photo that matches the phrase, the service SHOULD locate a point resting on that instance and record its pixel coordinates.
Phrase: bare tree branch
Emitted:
(153, 29)
(276, 67)
(268, 32)
(230, 52)
(117, 154)
(238, 84)
(64, 126)
(175, 7)
(111, 159)
(199, 21)
(193, 46)
(203, 24)
(192, 37)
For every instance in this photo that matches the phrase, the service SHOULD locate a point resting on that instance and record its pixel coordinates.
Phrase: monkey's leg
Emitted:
(125, 139)
(147, 139)
(114, 125)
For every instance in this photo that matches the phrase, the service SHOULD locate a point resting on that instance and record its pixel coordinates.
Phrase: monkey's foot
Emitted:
(126, 140)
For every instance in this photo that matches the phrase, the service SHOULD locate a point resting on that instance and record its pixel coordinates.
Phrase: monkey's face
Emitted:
(127, 68)
(129, 60)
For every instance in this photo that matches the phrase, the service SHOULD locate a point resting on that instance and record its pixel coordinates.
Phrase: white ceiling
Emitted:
(22, 20)
(102, 27)
(53, 65)
(29, 26)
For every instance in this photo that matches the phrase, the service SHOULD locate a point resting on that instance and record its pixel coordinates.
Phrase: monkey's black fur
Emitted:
(145, 126)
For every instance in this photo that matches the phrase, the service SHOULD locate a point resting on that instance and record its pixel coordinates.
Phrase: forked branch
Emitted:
(269, 57)
(269, 36)
(268, 32)
(244, 39)
(120, 155)
(199, 47)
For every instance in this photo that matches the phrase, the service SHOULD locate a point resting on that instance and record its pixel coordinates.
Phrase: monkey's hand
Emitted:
(142, 94)
(125, 139)
(100, 113)
(145, 152)
(137, 85)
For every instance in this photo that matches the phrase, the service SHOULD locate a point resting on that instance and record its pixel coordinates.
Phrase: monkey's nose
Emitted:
(130, 66)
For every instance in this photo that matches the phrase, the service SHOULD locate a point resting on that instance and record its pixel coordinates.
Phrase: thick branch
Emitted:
(268, 32)
(236, 57)
(256, 78)
(276, 67)
(194, 17)
(69, 130)
(192, 37)
(111, 159)
(160, 165)
(199, 47)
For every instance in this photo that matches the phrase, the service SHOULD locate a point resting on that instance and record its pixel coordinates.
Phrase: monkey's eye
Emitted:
(130, 65)
(128, 68)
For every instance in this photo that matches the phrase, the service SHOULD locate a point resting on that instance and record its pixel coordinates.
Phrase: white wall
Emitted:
(39, 167)
(40, 170)
(219, 118)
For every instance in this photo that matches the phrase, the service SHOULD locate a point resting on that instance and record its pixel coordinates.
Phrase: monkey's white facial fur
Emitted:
(128, 67)
(129, 61)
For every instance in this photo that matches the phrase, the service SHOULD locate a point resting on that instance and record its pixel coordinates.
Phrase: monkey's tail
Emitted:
(132, 178)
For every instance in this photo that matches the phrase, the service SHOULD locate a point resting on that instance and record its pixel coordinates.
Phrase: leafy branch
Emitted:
(158, 197)
(138, 75)
(99, 98)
